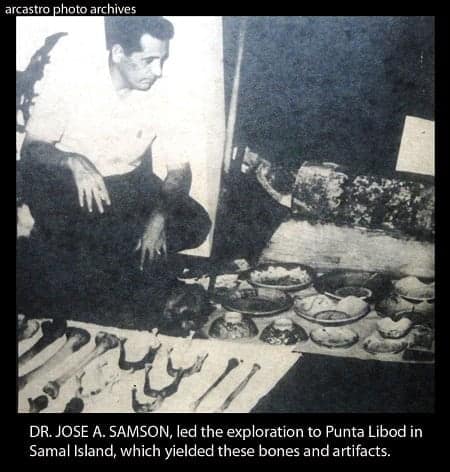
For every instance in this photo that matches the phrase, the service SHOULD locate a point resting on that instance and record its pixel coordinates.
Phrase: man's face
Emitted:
(141, 69)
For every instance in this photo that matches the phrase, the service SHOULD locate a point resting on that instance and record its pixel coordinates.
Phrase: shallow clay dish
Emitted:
(329, 317)
(415, 289)
(337, 337)
(379, 284)
(376, 344)
(260, 302)
(287, 282)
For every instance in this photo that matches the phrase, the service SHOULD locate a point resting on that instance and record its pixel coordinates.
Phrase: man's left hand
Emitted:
(153, 241)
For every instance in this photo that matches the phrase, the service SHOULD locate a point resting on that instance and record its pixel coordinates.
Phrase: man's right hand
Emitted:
(90, 184)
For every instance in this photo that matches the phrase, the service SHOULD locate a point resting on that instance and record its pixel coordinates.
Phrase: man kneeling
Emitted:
(104, 221)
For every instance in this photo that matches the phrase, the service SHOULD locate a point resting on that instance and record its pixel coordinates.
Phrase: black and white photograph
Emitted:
(225, 214)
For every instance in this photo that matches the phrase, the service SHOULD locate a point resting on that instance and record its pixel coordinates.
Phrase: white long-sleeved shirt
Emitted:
(79, 111)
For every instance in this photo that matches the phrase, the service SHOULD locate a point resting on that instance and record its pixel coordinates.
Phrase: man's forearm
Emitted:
(176, 185)
(41, 153)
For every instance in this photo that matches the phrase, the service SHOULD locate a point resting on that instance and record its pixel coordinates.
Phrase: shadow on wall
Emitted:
(27, 79)
(333, 88)
(25, 94)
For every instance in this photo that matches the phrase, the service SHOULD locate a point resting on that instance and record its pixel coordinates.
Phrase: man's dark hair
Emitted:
(128, 30)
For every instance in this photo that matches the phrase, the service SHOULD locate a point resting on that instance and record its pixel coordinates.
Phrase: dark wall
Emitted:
(331, 88)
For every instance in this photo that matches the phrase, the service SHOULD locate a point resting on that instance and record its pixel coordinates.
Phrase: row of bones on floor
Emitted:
(76, 338)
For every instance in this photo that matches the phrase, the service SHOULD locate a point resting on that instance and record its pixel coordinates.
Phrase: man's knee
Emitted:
(194, 230)
(202, 228)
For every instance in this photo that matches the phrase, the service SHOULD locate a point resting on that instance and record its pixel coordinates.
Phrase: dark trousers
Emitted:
(74, 255)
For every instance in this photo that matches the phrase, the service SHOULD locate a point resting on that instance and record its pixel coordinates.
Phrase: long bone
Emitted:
(38, 404)
(51, 331)
(76, 403)
(232, 364)
(103, 343)
(165, 392)
(231, 397)
(195, 367)
(26, 328)
(102, 382)
(178, 375)
(170, 368)
(76, 338)
(184, 346)
(139, 407)
(140, 364)
(180, 349)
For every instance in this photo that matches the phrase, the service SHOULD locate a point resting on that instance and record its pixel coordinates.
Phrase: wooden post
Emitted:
(231, 120)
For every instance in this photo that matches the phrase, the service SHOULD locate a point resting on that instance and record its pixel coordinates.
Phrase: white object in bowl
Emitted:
(283, 324)
(353, 306)
(232, 317)
(394, 329)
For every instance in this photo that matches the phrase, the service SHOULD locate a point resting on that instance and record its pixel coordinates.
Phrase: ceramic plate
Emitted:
(284, 283)
(263, 302)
